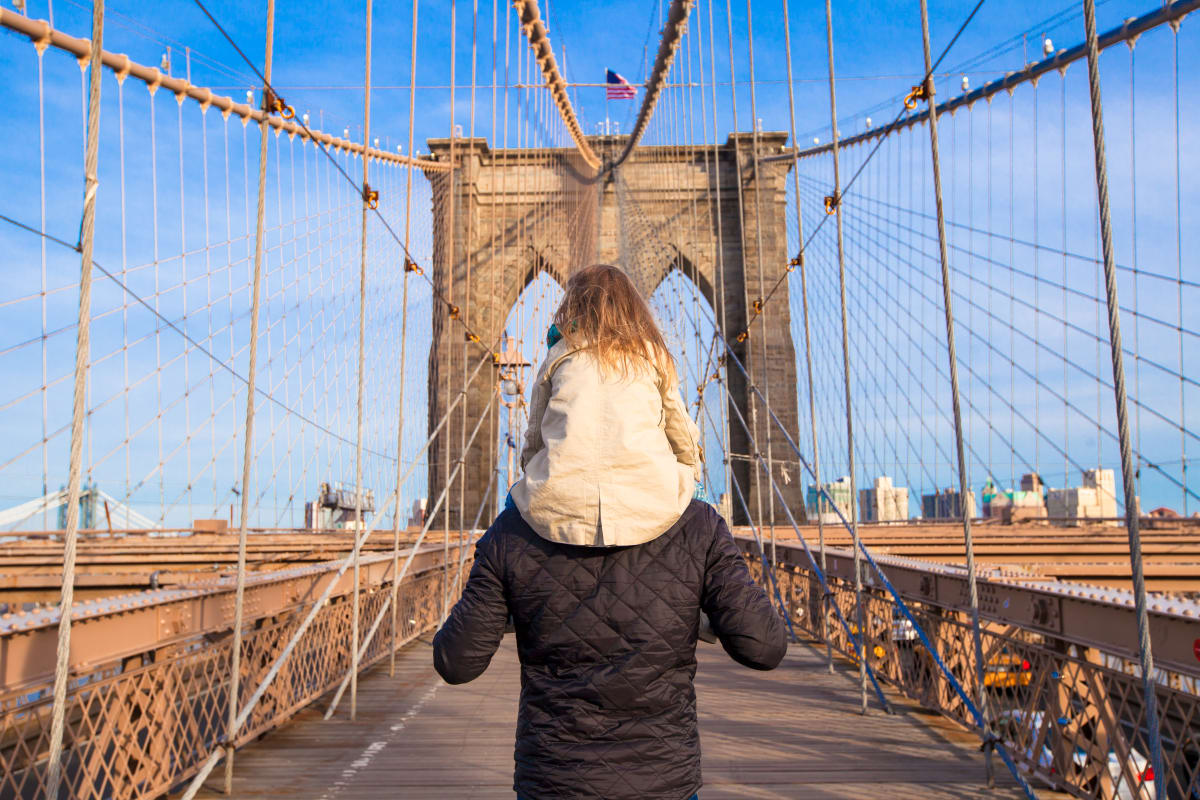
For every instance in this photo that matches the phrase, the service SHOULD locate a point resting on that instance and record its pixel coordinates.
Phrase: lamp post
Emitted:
(511, 373)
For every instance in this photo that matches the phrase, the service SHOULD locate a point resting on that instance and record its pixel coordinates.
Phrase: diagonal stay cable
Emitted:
(858, 640)
(187, 337)
(854, 177)
(411, 263)
(640, 215)
(899, 601)
(955, 684)
(988, 344)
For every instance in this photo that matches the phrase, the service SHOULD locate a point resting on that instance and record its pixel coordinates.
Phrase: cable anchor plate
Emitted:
(274, 104)
(370, 196)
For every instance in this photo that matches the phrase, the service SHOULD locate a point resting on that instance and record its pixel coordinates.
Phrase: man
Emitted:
(607, 639)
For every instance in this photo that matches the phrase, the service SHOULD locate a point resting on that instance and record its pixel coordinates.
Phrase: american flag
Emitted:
(618, 88)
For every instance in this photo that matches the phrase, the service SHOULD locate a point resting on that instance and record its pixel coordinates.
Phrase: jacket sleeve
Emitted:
(682, 432)
(464, 646)
(537, 409)
(749, 628)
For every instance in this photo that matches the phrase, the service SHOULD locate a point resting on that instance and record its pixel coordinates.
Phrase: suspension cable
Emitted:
(841, 256)
(235, 672)
(87, 229)
(1132, 512)
(369, 198)
(539, 41)
(947, 304)
(800, 262)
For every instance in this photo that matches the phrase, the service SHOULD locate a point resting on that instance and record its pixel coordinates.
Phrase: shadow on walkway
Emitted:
(787, 734)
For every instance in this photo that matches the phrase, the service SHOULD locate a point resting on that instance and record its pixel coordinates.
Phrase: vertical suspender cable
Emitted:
(467, 303)
(494, 422)
(62, 663)
(751, 403)
(812, 403)
(45, 399)
(1132, 512)
(248, 437)
(741, 222)
(719, 290)
(758, 225)
(955, 397)
(853, 509)
(412, 94)
(362, 338)
(455, 177)
(1183, 462)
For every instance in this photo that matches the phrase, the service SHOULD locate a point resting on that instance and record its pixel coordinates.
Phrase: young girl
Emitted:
(611, 455)
(605, 565)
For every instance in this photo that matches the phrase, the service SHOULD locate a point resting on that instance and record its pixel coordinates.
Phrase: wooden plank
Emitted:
(794, 732)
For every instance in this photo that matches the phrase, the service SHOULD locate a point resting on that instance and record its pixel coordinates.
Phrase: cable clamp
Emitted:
(798, 261)
(453, 312)
(472, 338)
(922, 91)
(411, 266)
(370, 196)
(757, 305)
(273, 104)
(743, 336)
(831, 203)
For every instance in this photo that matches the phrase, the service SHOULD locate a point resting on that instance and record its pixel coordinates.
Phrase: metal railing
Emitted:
(149, 686)
(1060, 666)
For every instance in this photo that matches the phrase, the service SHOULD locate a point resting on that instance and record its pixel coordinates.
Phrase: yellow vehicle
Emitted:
(877, 650)
(1007, 671)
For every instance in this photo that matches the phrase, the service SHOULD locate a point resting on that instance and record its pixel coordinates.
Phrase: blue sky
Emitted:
(319, 51)
(319, 70)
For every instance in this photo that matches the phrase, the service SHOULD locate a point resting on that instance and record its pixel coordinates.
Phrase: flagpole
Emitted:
(607, 128)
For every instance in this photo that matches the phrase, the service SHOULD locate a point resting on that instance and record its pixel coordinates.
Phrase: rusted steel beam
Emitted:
(1086, 615)
(42, 35)
(112, 628)
(539, 41)
(1069, 711)
(1169, 13)
(672, 35)
(140, 724)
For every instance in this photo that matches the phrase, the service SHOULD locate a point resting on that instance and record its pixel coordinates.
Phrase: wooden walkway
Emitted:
(791, 733)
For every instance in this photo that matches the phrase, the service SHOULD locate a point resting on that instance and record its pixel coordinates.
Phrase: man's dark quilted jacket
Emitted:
(607, 642)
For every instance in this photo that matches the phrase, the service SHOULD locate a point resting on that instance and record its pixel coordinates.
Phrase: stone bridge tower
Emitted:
(640, 216)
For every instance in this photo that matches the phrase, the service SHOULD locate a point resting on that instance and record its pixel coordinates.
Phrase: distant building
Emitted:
(1096, 499)
(1013, 505)
(1162, 512)
(818, 507)
(416, 517)
(884, 503)
(1030, 502)
(994, 499)
(336, 508)
(947, 504)
(1032, 482)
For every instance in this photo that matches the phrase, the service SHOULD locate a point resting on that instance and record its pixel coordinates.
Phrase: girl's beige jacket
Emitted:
(608, 460)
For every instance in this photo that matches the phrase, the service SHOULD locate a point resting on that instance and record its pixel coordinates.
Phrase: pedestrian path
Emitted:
(786, 734)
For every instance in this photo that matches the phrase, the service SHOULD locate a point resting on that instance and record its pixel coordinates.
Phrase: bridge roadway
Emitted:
(108, 564)
(791, 733)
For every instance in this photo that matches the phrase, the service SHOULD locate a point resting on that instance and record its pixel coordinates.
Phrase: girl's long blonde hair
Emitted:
(603, 311)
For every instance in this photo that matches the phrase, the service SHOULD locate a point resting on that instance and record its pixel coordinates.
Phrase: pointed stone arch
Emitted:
(494, 259)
